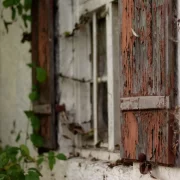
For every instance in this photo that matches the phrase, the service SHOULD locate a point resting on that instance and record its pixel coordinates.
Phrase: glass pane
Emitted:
(102, 112)
(101, 49)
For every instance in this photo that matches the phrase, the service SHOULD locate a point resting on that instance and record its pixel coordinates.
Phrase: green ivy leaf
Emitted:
(35, 88)
(20, 158)
(13, 16)
(40, 160)
(37, 140)
(20, 9)
(24, 150)
(27, 4)
(35, 170)
(3, 177)
(32, 175)
(41, 74)
(61, 156)
(12, 153)
(10, 3)
(31, 65)
(3, 159)
(34, 96)
(16, 2)
(35, 122)
(51, 159)
(29, 114)
(18, 136)
(15, 172)
(26, 18)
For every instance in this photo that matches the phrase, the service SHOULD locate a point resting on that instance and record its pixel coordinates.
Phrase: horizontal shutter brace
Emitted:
(46, 109)
(145, 102)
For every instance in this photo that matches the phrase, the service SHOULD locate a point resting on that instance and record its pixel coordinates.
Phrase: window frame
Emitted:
(113, 76)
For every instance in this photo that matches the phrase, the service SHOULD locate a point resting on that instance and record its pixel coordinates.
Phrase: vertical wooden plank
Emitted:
(126, 45)
(146, 132)
(43, 56)
(113, 74)
(144, 47)
(147, 71)
(121, 82)
(95, 78)
(110, 64)
(176, 8)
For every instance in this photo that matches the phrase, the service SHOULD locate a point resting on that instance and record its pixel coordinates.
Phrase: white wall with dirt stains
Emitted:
(15, 81)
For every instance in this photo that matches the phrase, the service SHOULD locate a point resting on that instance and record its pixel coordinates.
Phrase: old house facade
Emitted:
(112, 88)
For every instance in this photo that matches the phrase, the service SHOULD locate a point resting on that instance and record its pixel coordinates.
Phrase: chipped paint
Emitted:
(129, 135)
(146, 72)
(143, 58)
(146, 132)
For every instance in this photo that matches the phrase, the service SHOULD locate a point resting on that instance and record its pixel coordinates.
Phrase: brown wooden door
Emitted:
(147, 80)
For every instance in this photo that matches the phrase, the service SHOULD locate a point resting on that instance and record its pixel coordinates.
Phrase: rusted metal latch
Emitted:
(60, 108)
(47, 108)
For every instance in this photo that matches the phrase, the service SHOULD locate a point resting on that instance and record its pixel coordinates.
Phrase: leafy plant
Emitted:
(41, 74)
(41, 77)
(52, 158)
(13, 158)
(22, 8)
(37, 140)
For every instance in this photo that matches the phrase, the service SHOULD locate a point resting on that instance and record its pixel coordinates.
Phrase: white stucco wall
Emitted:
(15, 84)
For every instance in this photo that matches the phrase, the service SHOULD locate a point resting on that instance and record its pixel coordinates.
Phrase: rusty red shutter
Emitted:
(147, 77)
(43, 56)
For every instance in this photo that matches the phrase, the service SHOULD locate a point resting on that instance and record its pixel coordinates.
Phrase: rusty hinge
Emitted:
(60, 108)
(47, 109)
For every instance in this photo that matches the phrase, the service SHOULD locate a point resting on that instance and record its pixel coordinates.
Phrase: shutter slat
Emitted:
(146, 81)
(145, 102)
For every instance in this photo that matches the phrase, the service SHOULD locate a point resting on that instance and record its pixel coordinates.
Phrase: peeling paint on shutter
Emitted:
(147, 80)
(43, 56)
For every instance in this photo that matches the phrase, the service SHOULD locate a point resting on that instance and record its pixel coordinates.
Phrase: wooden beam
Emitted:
(42, 109)
(95, 78)
(145, 102)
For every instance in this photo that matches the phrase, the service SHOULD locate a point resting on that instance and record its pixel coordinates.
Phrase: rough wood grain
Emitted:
(146, 73)
(147, 132)
(143, 57)
(43, 56)
(145, 102)
(42, 109)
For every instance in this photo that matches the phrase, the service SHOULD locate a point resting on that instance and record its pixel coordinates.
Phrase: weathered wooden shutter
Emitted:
(147, 80)
(43, 56)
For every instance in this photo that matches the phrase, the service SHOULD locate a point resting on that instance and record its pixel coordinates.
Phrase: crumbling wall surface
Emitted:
(86, 169)
(15, 80)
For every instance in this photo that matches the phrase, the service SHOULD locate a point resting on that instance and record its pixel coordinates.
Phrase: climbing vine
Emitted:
(34, 95)
(13, 159)
(19, 9)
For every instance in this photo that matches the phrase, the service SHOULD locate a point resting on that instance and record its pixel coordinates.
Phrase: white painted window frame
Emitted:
(112, 77)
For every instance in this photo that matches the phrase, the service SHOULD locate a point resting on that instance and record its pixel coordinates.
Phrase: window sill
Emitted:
(99, 154)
